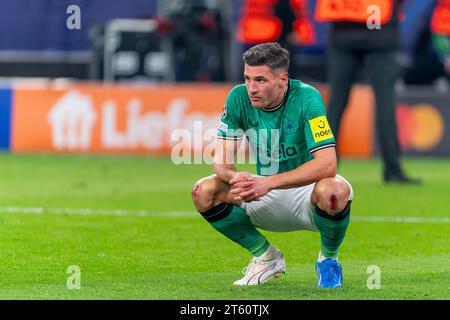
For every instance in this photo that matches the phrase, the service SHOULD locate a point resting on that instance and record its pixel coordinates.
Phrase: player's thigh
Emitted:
(286, 209)
(283, 210)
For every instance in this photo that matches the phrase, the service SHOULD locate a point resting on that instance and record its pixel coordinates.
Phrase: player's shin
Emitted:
(232, 222)
(332, 230)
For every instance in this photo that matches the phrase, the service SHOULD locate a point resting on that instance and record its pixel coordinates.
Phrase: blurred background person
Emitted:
(196, 41)
(440, 28)
(353, 45)
(430, 44)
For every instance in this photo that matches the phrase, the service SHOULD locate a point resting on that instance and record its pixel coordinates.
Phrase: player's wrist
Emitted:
(232, 175)
(272, 182)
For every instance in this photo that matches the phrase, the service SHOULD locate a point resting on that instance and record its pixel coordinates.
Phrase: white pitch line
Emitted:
(400, 219)
(87, 211)
(191, 214)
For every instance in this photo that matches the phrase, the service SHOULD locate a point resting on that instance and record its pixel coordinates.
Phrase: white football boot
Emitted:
(262, 269)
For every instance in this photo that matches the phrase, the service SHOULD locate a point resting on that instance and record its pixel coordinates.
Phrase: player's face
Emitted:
(265, 86)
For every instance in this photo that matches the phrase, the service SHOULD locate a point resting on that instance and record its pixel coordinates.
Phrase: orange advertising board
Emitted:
(110, 119)
(357, 127)
(150, 120)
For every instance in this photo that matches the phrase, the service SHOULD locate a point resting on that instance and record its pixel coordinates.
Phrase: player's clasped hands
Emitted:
(247, 187)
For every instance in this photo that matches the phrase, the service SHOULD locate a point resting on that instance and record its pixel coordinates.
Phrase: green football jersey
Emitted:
(281, 138)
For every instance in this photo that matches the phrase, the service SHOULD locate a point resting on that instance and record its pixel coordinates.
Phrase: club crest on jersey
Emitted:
(320, 129)
(289, 126)
(253, 124)
(224, 112)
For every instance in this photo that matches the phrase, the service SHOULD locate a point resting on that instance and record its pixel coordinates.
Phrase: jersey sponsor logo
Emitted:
(320, 129)
(289, 126)
(283, 152)
(288, 151)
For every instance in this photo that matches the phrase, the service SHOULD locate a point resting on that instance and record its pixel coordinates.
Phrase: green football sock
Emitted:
(332, 230)
(232, 222)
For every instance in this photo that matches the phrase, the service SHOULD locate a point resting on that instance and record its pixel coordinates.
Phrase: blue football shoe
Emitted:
(329, 272)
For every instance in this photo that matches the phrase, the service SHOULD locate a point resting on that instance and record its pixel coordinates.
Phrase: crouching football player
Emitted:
(296, 188)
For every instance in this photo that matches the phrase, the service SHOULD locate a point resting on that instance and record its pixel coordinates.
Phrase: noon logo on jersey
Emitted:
(320, 129)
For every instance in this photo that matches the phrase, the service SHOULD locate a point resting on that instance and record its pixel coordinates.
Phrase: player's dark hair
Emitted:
(270, 54)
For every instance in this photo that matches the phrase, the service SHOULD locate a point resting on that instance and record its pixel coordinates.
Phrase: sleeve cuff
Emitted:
(229, 138)
(324, 146)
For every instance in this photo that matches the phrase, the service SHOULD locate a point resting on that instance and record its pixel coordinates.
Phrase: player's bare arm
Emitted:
(322, 166)
(330, 193)
(215, 189)
(225, 154)
(225, 169)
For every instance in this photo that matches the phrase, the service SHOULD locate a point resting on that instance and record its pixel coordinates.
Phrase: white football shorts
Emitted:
(285, 209)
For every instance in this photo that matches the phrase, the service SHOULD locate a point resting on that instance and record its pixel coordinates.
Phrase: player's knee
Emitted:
(331, 195)
(203, 193)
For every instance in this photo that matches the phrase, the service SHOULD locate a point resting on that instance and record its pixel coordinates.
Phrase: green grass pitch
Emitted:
(157, 247)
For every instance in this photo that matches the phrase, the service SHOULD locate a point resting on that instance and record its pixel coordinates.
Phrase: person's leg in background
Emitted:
(383, 71)
(425, 70)
(342, 65)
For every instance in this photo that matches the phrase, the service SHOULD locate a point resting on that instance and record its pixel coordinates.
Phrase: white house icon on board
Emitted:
(72, 119)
